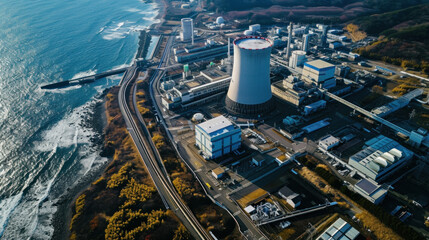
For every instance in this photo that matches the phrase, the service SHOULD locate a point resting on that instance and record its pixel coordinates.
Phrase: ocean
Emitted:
(46, 142)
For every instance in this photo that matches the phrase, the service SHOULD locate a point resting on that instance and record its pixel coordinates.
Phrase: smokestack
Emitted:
(289, 40)
(229, 48)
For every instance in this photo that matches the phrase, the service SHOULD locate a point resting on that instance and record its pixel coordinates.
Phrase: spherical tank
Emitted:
(249, 92)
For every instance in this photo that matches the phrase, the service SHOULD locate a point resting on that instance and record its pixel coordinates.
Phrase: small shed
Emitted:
(258, 160)
(218, 172)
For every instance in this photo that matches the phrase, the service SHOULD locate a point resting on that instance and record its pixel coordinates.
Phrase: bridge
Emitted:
(84, 80)
(368, 114)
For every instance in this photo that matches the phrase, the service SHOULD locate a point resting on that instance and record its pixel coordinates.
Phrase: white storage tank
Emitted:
(220, 20)
(187, 29)
(248, 33)
(249, 92)
(198, 117)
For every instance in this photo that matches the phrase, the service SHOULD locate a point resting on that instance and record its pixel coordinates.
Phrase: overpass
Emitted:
(368, 114)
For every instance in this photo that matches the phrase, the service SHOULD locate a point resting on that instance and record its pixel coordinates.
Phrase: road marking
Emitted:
(217, 195)
(236, 213)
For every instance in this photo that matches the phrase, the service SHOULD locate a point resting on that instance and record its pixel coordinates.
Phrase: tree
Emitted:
(182, 233)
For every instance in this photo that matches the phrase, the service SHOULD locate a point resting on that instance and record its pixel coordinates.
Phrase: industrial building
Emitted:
(292, 198)
(320, 73)
(370, 190)
(187, 32)
(218, 172)
(340, 229)
(293, 90)
(217, 137)
(306, 42)
(199, 50)
(297, 59)
(193, 90)
(249, 92)
(328, 142)
(397, 104)
(380, 158)
(314, 107)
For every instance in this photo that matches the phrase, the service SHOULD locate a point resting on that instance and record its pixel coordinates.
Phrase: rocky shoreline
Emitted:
(98, 122)
(61, 219)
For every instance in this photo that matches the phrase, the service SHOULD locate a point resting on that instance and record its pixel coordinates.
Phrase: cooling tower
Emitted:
(249, 92)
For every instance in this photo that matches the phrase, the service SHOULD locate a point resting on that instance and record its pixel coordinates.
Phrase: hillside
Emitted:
(305, 10)
(404, 37)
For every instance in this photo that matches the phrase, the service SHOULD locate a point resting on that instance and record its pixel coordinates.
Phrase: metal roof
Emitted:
(367, 186)
(319, 64)
(215, 124)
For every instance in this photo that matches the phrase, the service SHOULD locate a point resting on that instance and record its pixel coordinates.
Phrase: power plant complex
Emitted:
(249, 92)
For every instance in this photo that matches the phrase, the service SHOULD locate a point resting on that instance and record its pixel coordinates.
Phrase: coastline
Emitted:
(98, 120)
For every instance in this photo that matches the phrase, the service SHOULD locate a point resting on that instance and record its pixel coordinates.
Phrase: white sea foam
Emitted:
(34, 210)
(133, 10)
(6, 208)
(85, 73)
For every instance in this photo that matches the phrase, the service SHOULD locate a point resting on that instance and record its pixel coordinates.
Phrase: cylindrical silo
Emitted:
(249, 92)
(187, 29)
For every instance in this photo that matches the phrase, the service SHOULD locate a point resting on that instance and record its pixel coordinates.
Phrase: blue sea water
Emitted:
(45, 143)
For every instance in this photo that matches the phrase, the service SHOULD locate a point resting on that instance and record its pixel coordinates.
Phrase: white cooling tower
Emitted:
(249, 92)
(187, 29)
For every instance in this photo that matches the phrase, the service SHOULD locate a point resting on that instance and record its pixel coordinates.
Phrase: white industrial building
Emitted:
(380, 158)
(292, 198)
(187, 32)
(340, 229)
(370, 190)
(328, 142)
(217, 137)
(306, 42)
(297, 59)
(320, 73)
(249, 92)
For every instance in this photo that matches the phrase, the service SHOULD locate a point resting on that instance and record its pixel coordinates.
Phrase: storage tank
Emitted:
(248, 32)
(198, 117)
(298, 59)
(220, 20)
(187, 29)
(249, 91)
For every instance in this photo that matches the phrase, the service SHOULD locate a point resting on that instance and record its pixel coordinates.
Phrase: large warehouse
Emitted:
(380, 157)
(320, 73)
(217, 137)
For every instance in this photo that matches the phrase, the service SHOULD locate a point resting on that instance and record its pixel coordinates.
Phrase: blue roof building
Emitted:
(217, 137)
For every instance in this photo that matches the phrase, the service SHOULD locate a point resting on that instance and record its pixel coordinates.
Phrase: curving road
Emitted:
(145, 147)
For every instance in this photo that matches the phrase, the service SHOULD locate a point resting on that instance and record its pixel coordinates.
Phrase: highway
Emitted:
(145, 146)
(245, 224)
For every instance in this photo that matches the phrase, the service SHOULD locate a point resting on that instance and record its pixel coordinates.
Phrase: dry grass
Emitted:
(380, 230)
(354, 33)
